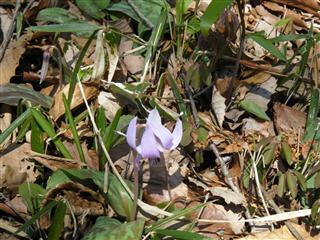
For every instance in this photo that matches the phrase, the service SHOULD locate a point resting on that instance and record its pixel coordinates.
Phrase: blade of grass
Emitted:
(36, 216)
(182, 235)
(57, 222)
(175, 216)
(37, 142)
(153, 43)
(47, 127)
(73, 129)
(16, 123)
(76, 69)
(109, 135)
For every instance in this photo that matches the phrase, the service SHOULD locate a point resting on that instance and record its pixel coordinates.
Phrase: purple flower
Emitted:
(155, 139)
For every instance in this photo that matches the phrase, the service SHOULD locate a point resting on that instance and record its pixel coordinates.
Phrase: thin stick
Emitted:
(293, 231)
(229, 181)
(6, 41)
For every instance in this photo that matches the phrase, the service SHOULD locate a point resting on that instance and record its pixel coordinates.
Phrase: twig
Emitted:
(241, 48)
(145, 20)
(229, 181)
(193, 105)
(293, 231)
(6, 41)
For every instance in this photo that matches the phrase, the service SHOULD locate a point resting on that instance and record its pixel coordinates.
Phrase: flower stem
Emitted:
(135, 192)
(166, 175)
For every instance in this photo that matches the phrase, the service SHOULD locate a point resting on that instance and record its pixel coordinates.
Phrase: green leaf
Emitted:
(312, 116)
(11, 94)
(74, 26)
(107, 228)
(149, 8)
(254, 109)
(301, 180)
(286, 152)
(57, 222)
(33, 195)
(268, 153)
(117, 196)
(317, 181)
(56, 15)
(292, 184)
(93, 7)
(181, 235)
(37, 141)
(211, 15)
(16, 123)
(47, 127)
(268, 45)
(73, 128)
(281, 185)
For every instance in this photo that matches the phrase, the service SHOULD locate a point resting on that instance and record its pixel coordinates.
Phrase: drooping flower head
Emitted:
(156, 138)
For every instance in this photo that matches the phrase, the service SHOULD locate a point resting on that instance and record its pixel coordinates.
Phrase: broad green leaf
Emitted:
(93, 7)
(288, 37)
(254, 109)
(286, 152)
(149, 8)
(56, 15)
(211, 15)
(292, 184)
(47, 127)
(181, 235)
(281, 185)
(312, 121)
(315, 212)
(73, 128)
(75, 26)
(16, 123)
(11, 94)
(32, 194)
(163, 110)
(57, 222)
(269, 153)
(301, 180)
(107, 228)
(268, 45)
(117, 196)
(317, 180)
(19, 23)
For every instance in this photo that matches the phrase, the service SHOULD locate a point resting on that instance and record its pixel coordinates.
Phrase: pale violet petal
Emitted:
(154, 116)
(177, 134)
(148, 146)
(160, 131)
(131, 133)
(137, 161)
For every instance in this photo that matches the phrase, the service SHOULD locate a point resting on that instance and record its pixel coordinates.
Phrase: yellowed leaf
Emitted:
(57, 110)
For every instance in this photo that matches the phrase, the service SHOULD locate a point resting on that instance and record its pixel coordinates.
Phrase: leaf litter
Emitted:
(239, 78)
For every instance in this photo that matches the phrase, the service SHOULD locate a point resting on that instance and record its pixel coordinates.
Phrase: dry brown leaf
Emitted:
(218, 105)
(251, 126)
(258, 78)
(5, 120)
(11, 58)
(261, 95)
(310, 6)
(109, 103)
(215, 211)
(57, 110)
(15, 169)
(281, 233)
(288, 120)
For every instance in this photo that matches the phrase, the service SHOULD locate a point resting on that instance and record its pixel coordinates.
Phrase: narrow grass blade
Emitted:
(175, 216)
(37, 142)
(76, 69)
(181, 235)
(73, 128)
(47, 127)
(57, 222)
(6, 133)
(154, 41)
(36, 216)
